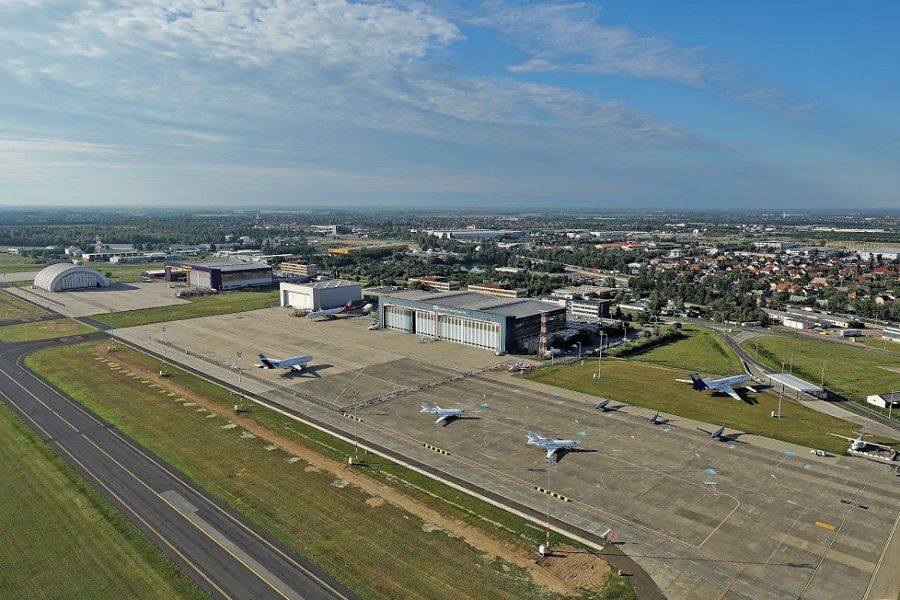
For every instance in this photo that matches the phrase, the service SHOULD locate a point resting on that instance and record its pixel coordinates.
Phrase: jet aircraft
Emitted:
(658, 420)
(725, 385)
(330, 313)
(551, 445)
(295, 363)
(444, 415)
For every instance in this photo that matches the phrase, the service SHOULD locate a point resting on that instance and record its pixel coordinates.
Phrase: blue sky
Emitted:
(612, 105)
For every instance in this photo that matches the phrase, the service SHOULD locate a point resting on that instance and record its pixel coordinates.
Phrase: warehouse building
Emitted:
(470, 318)
(319, 295)
(66, 276)
(222, 276)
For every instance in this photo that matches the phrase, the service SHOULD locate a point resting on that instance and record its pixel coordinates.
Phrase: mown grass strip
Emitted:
(202, 306)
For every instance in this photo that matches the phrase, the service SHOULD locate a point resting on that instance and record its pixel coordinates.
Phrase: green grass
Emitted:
(700, 350)
(880, 343)
(201, 306)
(61, 539)
(379, 552)
(656, 387)
(11, 263)
(854, 373)
(42, 330)
(124, 273)
(15, 308)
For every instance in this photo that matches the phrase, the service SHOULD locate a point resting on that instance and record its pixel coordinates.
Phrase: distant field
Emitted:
(879, 343)
(124, 273)
(700, 350)
(656, 388)
(201, 306)
(376, 548)
(852, 372)
(11, 263)
(42, 330)
(61, 539)
(15, 308)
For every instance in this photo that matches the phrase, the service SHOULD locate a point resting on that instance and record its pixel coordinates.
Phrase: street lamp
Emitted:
(162, 371)
(239, 370)
(781, 390)
(579, 350)
(544, 549)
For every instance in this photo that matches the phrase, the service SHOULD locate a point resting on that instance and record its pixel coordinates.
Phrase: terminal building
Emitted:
(222, 276)
(470, 318)
(319, 295)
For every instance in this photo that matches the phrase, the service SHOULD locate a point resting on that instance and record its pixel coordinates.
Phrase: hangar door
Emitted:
(426, 323)
(399, 318)
(470, 332)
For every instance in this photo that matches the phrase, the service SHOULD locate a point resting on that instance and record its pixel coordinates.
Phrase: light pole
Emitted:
(162, 371)
(579, 350)
(544, 549)
(822, 385)
(240, 372)
(891, 407)
(600, 355)
(781, 390)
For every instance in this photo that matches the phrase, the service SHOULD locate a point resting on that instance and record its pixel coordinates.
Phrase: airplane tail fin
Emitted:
(427, 407)
(347, 307)
(532, 436)
(265, 361)
(698, 383)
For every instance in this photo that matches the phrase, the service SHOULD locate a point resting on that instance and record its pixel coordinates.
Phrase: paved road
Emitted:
(218, 549)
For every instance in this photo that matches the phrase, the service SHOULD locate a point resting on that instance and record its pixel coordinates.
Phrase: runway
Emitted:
(227, 556)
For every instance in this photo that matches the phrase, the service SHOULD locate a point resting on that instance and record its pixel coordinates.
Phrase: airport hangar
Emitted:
(221, 276)
(67, 276)
(319, 295)
(470, 318)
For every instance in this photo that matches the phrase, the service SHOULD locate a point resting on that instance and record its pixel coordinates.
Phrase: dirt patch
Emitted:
(568, 571)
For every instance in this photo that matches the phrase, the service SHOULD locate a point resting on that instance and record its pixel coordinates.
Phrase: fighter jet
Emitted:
(517, 366)
(444, 415)
(658, 420)
(605, 407)
(725, 385)
(860, 444)
(551, 445)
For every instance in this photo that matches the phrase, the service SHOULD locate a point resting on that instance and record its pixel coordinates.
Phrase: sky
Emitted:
(591, 105)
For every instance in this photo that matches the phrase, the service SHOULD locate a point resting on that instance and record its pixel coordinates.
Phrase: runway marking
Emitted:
(112, 493)
(827, 526)
(189, 512)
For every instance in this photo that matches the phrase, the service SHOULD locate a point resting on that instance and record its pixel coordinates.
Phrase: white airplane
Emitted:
(551, 445)
(859, 443)
(330, 313)
(517, 366)
(295, 363)
(444, 415)
(725, 385)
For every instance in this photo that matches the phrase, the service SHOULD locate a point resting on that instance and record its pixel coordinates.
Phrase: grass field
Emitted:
(15, 308)
(201, 306)
(852, 372)
(11, 263)
(124, 273)
(42, 330)
(61, 539)
(375, 548)
(700, 350)
(656, 387)
(879, 343)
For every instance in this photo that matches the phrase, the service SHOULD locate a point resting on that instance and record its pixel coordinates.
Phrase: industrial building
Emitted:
(891, 399)
(891, 333)
(470, 318)
(319, 295)
(66, 276)
(295, 268)
(436, 283)
(222, 276)
(472, 234)
(107, 255)
(495, 289)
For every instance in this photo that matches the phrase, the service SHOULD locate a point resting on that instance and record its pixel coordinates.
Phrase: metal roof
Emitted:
(227, 267)
(513, 307)
(795, 383)
(53, 278)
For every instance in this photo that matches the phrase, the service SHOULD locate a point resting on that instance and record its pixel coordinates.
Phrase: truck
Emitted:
(851, 333)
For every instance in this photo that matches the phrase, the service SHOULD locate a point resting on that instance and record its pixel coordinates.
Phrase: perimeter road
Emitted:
(225, 555)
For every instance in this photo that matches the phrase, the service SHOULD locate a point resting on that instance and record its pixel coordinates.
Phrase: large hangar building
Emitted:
(67, 276)
(469, 318)
(222, 276)
(319, 295)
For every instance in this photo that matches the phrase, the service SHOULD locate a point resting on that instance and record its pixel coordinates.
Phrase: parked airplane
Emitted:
(859, 443)
(330, 313)
(444, 415)
(658, 420)
(295, 363)
(605, 407)
(551, 445)
(718, 434)
(517, 366)
(725, 385)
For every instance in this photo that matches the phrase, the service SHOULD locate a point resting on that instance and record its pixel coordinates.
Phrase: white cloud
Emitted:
(570, 37)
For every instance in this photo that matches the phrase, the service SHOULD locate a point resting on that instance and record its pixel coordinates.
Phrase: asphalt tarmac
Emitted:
(217, 548)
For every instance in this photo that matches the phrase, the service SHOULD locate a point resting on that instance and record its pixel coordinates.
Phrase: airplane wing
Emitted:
(727, 389)
(442, 419)
(849, 439)
(551, 452)
(882, 446)
(298, 368)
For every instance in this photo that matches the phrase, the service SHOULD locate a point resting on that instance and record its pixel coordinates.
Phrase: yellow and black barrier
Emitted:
(436, 449)
(553, 494)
